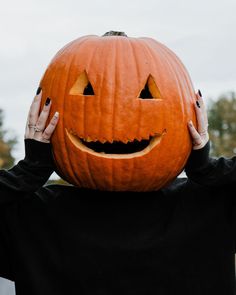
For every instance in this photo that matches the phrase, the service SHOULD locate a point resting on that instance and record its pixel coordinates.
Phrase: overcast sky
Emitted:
(201, 33)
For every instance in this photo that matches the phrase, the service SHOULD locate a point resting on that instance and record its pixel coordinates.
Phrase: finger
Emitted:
(193, 131)
(203, 107)
(200, 117)
(41, 123)
(50, 128)
(196, 138)
(33, 114)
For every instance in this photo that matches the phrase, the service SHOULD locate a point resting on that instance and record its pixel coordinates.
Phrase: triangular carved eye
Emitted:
(82, 86)
(150, 90)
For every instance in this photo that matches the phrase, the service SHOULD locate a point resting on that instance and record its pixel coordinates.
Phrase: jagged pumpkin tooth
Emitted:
(140, 138)
(125, 140)
(146, 137)
(103, 140)
(89, 139)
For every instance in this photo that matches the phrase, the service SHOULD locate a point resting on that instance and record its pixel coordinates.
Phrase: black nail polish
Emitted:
(47, 101)
(199, 92)
(197, 103)
(38, 90)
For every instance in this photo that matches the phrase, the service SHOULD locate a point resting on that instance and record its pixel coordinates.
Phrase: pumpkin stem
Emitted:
(114, 33)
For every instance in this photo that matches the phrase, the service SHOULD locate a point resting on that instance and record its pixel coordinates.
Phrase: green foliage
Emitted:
(57, 181)
(222, 125)
(6, 146)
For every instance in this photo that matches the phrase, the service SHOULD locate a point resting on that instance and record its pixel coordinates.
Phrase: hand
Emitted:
(36, 123)
(200, 134)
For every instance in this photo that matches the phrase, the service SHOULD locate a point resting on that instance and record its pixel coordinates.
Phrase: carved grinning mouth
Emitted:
(116, 149)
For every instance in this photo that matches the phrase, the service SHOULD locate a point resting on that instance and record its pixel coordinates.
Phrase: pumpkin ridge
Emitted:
(183, 70)
(180, 72)
(105, 69)
(187, 84)
(84, 111)
(131, 42)
(56, 96)
(70, 63)
(158, 46)
(114, 102)
(63, 123)
(65, 49)
(138, 75)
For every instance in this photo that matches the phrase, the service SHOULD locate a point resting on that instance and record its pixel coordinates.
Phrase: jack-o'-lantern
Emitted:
(124, 104)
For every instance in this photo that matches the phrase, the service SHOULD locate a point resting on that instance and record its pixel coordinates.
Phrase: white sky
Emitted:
(201, 33)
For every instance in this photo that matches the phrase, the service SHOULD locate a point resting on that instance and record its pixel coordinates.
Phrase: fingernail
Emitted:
(197, 103)
(199, 92)
(190, 123)
(38, 90)
(56, 115)
(47, 101)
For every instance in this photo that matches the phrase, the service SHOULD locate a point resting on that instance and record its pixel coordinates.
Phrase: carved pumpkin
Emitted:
(124, 104)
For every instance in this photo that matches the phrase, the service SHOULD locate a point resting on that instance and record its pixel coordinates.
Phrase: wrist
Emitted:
(38, 152)
(198, 158)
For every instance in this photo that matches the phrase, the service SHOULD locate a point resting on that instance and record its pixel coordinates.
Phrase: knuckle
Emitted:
(39, 125)
(53, 123)
(45, 111)
(46, 107)
(46, 134)
(31, 116)
(197, 141)
(36, 98)
(34, 101)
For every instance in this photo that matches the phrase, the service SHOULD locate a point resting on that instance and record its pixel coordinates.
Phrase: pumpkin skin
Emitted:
(114, 92)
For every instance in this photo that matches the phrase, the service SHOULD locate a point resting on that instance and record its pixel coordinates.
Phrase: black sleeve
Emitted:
(19, 182)
(203, 169)
(29, 174)
(5, 264)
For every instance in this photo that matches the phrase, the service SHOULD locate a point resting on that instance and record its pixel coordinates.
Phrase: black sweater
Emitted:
(58, 240)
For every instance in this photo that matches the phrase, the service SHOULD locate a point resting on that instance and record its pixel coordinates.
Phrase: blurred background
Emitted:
(201, 33)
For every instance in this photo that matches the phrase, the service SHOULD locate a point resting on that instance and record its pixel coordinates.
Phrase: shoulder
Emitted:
(176, 186)
(52, 192)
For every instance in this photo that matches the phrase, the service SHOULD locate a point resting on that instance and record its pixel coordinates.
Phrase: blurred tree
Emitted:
(222, 125)
(57, 181)
(6, 146)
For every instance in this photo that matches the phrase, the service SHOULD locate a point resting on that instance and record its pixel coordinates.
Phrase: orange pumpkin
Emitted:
(124, 104)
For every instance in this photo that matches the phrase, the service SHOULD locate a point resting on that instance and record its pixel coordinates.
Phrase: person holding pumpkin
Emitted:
(60, 239)
(178, 237)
